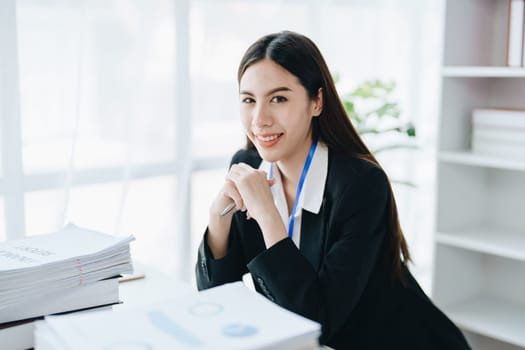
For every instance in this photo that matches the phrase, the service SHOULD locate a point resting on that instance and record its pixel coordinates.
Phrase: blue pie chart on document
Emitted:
(238, 330)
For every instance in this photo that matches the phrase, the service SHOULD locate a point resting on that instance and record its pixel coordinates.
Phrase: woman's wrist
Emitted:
(218, 232)
(272, 228)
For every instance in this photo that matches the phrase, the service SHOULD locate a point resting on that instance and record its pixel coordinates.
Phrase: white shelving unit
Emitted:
(479, 267)
(483, 72)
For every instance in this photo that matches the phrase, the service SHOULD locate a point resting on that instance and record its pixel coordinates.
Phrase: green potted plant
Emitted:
(376, 115)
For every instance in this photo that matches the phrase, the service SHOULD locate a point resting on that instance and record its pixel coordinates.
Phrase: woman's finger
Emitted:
(229, 190)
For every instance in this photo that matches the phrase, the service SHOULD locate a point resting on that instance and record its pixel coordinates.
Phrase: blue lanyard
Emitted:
(299, 186)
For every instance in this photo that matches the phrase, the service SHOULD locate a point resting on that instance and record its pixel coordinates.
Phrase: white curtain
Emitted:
(128, 109)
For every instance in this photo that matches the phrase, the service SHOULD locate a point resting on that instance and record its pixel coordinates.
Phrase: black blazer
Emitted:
(336, 276)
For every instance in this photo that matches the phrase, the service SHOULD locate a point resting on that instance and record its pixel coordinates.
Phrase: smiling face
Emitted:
(276, 112)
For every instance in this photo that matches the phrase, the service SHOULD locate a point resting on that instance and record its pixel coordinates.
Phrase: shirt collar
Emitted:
(313, 190)
(314, 184)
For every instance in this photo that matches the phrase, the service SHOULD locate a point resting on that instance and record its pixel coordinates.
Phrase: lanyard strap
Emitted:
(299, 186)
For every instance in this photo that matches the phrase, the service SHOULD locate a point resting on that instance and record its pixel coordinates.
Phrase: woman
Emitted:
(315, 220)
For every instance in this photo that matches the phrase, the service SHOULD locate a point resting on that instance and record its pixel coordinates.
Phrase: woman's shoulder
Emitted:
(249, 156)
(346, 169)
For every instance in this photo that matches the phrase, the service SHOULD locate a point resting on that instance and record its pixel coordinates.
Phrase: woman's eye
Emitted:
(247, 100)
(279, 99)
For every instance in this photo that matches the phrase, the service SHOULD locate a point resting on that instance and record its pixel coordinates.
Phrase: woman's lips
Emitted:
(268, 140)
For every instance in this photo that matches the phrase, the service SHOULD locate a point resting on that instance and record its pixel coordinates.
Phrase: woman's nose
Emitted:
(261, 117)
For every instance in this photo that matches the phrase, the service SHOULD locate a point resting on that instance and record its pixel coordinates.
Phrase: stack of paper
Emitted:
(72, 269)
(499, 133)
(226, 317)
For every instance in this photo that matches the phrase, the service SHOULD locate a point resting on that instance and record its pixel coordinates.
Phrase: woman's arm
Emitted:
(211, 272)
(330, 295)
(220, 254)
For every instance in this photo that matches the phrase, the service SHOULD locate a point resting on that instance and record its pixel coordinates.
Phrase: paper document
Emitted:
(226, 317)
(54, 266)
(103, 292)
(37, 251)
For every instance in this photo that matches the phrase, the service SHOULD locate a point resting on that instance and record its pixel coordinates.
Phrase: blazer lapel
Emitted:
(312, 236)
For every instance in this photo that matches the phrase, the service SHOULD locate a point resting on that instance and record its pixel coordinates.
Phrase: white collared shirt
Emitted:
(311, 196)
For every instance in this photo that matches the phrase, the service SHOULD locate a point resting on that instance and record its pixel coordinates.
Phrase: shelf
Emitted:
(490, 316)
(480, 238)
(483, 72)
(501, 242)
(469, 158)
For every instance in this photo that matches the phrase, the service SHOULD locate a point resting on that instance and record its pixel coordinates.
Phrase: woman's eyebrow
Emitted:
(272, 91)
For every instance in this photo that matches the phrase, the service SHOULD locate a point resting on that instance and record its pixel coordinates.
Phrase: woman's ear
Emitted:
(317, 106)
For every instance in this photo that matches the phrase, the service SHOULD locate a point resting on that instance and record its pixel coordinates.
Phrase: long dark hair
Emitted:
(301, 57)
